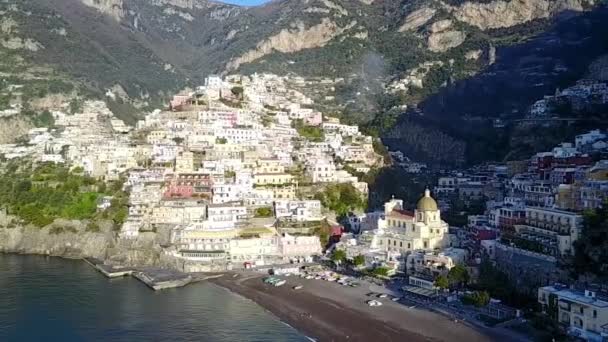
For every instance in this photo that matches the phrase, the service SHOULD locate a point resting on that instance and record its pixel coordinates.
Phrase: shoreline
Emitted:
(323, 314)
(318, 327)
(324, 311)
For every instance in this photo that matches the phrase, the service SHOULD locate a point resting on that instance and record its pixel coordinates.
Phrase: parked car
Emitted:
(382, 295)
(298, 287)
(374, 303)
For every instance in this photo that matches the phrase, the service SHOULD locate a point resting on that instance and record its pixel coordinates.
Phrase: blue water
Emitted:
(51, 299)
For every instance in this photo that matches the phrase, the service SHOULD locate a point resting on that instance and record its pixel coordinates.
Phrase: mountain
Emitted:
(573, 47)
(135, 53)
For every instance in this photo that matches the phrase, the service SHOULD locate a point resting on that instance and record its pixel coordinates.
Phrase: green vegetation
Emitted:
(442, 282)
(44, 119)
(263, 212)
(458, 276)
(341, 198)
(359, 260)
(312, 133)
(381, 272)
(591, 249)
(478, 298)
(500, 286)
(338, 256)
(221, 141)
(41, 194)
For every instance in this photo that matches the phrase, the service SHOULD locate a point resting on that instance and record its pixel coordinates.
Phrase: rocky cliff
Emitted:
(13, 127)
(500, 14)
(55, 242)
(70, 239)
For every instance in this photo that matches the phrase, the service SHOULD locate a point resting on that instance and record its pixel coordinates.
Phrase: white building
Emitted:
(585, 315)
(321, 170)
(588, 138)
(298, 210)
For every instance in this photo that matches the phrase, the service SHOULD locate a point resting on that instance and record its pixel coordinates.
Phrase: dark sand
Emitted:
(328, 312)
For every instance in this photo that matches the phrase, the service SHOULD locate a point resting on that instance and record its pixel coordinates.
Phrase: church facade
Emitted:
(403, 232)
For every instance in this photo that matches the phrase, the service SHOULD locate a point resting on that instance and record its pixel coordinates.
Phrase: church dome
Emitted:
(427, 203)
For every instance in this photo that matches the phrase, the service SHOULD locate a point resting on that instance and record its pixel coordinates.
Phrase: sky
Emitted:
(245, 2)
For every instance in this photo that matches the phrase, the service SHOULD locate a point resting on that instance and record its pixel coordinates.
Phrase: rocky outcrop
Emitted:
(503, 13)
(473, 54)
(443, 41)
(70, 239)
(16, 43)
(113, 8)
(292, 40)
(12, 128)
(441, 25)
(417, 18)
(63, 241)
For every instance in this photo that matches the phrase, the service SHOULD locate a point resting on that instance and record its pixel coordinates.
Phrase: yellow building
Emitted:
(262, 179)
(422, 230)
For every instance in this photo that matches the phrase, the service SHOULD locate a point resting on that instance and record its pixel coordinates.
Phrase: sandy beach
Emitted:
(327, 311)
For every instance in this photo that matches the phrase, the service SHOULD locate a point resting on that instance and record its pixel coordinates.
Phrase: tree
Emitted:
(263, 212)
(359, 260)
(479, 299)
(341, 198)
(381, 271)
(458, 275)
(442, 282)
(338, 256)
(178, 140)
(591, 249)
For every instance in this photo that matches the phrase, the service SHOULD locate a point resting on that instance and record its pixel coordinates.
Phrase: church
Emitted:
(402, 231)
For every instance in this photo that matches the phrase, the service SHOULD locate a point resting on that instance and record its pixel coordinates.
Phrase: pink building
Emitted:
(314, 119)
(179, 101)
(188, 185)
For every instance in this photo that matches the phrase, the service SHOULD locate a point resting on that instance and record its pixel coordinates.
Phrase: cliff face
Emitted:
(28, 240)
(499, 14)
(13, 127)
(293, 40)
(113, 8)
(70, 239)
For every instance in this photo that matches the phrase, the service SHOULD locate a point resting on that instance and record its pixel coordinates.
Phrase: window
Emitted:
(400, 244)
(594, 314)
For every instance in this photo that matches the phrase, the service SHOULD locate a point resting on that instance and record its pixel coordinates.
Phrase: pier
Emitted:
(155, 278)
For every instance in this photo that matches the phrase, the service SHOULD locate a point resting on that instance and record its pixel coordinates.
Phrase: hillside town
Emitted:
(235, 172)
(230, 169)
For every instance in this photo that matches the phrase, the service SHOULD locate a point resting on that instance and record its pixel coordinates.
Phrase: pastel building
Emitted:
(404, 232)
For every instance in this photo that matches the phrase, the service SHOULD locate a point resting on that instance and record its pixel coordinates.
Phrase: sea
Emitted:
(52, 299)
